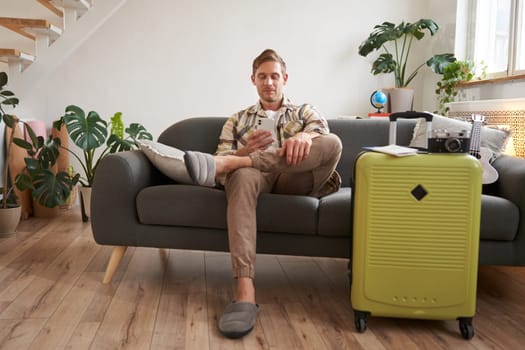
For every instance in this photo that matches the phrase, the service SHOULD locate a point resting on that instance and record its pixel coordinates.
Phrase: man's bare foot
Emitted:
(227, 164)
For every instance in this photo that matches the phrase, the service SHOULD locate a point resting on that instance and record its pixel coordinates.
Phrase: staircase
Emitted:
(36, 46)
(41, 31)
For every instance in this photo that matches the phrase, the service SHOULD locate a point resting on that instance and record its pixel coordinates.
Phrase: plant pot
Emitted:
(40, 211)
(9, 219)
(85, 202)
(401, 99)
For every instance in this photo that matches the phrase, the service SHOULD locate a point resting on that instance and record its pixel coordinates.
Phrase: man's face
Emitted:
(269, 81)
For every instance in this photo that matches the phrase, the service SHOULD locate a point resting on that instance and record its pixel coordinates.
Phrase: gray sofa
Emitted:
(133, 204)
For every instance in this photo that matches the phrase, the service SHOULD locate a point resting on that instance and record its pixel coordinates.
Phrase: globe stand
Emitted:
(378, 100)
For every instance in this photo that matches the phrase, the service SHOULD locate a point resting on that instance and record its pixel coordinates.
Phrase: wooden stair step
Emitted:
(51, 7)
(15, 55)
(82, 5)
(28, 27)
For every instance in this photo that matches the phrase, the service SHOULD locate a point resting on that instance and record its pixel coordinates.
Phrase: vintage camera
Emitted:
(444, 141)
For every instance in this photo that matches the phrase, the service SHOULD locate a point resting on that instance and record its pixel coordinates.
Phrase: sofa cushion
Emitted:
(287, 213)
(499, 218)
(169, 160)
(335, 215)
(182, 205)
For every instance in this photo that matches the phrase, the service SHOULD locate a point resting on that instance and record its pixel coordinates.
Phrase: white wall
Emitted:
(444, 13)
(166, 60)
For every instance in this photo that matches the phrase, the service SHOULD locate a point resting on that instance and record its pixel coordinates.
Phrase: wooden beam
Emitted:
(51, 7)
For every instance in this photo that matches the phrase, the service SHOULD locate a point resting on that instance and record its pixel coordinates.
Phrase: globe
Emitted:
(378, 100)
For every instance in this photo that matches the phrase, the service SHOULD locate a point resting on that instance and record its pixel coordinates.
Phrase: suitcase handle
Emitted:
(411, 115)
(408, 115)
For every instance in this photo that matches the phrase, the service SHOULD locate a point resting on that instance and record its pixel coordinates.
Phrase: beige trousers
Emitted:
(270, 173)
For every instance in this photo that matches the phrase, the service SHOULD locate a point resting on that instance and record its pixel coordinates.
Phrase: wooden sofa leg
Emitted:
(114, 261)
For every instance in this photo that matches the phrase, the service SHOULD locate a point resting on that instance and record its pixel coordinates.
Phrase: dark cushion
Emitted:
(335, 215)
(287, 213)
(499, 219)
(182, 205)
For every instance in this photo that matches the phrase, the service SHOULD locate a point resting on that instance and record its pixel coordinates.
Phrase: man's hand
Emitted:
(297, 148)
(258, 140)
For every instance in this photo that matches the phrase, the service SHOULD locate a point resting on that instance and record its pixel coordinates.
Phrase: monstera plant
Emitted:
(90, 133)
(395, 42)
(96, 138)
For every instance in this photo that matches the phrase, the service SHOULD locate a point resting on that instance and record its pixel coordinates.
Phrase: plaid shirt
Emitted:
(291, 119)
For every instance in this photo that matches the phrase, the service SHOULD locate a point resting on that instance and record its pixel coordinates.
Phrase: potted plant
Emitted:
(9, 208)
(91, 135)
(396, 43)
(454, 74)
(48, 187)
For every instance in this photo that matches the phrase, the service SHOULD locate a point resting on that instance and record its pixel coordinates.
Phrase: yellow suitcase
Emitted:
(416, 237)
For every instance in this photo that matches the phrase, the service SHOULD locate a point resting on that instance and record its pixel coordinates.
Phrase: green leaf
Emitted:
(51, 190)
(10, 120)
(23, 182)
(49, 152)
(384, 64)
(416, 29)
(138, 132)
(7, 93)
(438, 63)
(57, 124)
(13, 101)
(382, 33)
(3, 79)
(32, 136)
(75, 179)
(117, 144)
(89, 132)
(22, 143)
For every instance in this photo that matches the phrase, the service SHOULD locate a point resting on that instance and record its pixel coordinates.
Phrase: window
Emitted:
(494, 35)
(520, 38)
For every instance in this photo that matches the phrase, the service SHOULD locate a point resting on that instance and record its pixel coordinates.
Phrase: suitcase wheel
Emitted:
(466, 328)
(360, 320)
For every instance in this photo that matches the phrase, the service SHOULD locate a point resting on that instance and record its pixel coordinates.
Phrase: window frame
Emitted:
(518, 37)
(516, 20)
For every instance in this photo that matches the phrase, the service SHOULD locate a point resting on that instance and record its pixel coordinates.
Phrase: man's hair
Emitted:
(268, 55)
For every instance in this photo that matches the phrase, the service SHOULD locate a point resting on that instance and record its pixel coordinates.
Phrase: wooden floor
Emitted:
(51, 297)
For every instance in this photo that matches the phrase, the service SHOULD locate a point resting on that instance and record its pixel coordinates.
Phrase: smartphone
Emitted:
(266, 124)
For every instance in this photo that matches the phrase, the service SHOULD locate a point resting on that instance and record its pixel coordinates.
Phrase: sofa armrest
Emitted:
(118, 180)
(511, 185)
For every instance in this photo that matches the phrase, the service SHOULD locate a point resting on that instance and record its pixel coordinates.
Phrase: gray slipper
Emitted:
(238, 319)
(201, 168)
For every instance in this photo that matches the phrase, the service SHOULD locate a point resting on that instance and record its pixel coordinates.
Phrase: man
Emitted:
(247, 163)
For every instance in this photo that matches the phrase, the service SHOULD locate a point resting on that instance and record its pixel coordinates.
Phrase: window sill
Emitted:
(468, 84)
